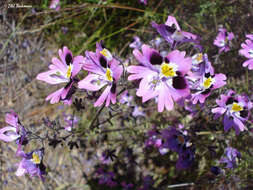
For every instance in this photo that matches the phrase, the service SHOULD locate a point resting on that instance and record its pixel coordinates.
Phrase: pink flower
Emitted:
(247, 51)
(223, 40)
(62, 71)
(105, 71)
(162, 77)
(55, 4)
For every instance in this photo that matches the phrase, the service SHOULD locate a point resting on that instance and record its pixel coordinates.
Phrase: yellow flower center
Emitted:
(106, 53)
(108, 75)
(208, 82)
(69, 71)
(167, 70)
(236, 107)
(199, 57)
(36, 158)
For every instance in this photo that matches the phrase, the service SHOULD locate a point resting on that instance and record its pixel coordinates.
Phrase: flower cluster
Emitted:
(175, 140)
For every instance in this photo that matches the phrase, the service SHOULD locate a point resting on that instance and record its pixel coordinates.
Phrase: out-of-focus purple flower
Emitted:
(143, 1)
(154, 138)
(64, 29)
(235, 110)
(148, 183)
(215, 170)
(70, 122)
(126, 186)
(105, 178)
(186, 158)
(174, 139)
(62, 71)
(172, 32)
(55, 4)
(162, 77)
(125, 98)
(231, 157)
(138, 111)
(105, 71)
(14, 131)
(136, 44)
(223, 40)
(31, 163)
(247, 51)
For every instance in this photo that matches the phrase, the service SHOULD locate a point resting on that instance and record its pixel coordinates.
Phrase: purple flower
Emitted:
(14, 131)
(231, 157)
(172, 32)
(235, 110)
(223, 40)
(136, 44)
(31, 164)
(148, 183)
(205, 84)
(126, 186)
(186, 158)
(105, 178)
(143, 1)
(55, 4)
(105, 71)
(154, 138)
(70, 122)
(126, 98)
(201, 65)
(138, 111)
(62, 71)
(247, 51)
(162, 77)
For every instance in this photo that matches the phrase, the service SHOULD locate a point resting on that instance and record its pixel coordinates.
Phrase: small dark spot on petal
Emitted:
(244, 113)
(113, 88)
(166, 60)
(170, 29)
(68, 58)
(102, 61)
(207, 91)
(179, 82)
(178, 73)
(207, 75)
(230, 100)
(156, 59)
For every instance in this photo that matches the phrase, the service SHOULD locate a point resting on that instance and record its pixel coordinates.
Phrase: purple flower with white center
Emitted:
(14, 131)
(126, 98)
(223, 40)
(201, 65)
(55, 4)
(172, 32)
(136, 44)
(105, 71)
(31, 164)
(162, 77)
(105, 178)
(154, 138)
(202, 86)
(70, 121)
(235, 110)
(62, 71)
(247, 51)
(231, 157)
(138, 111)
